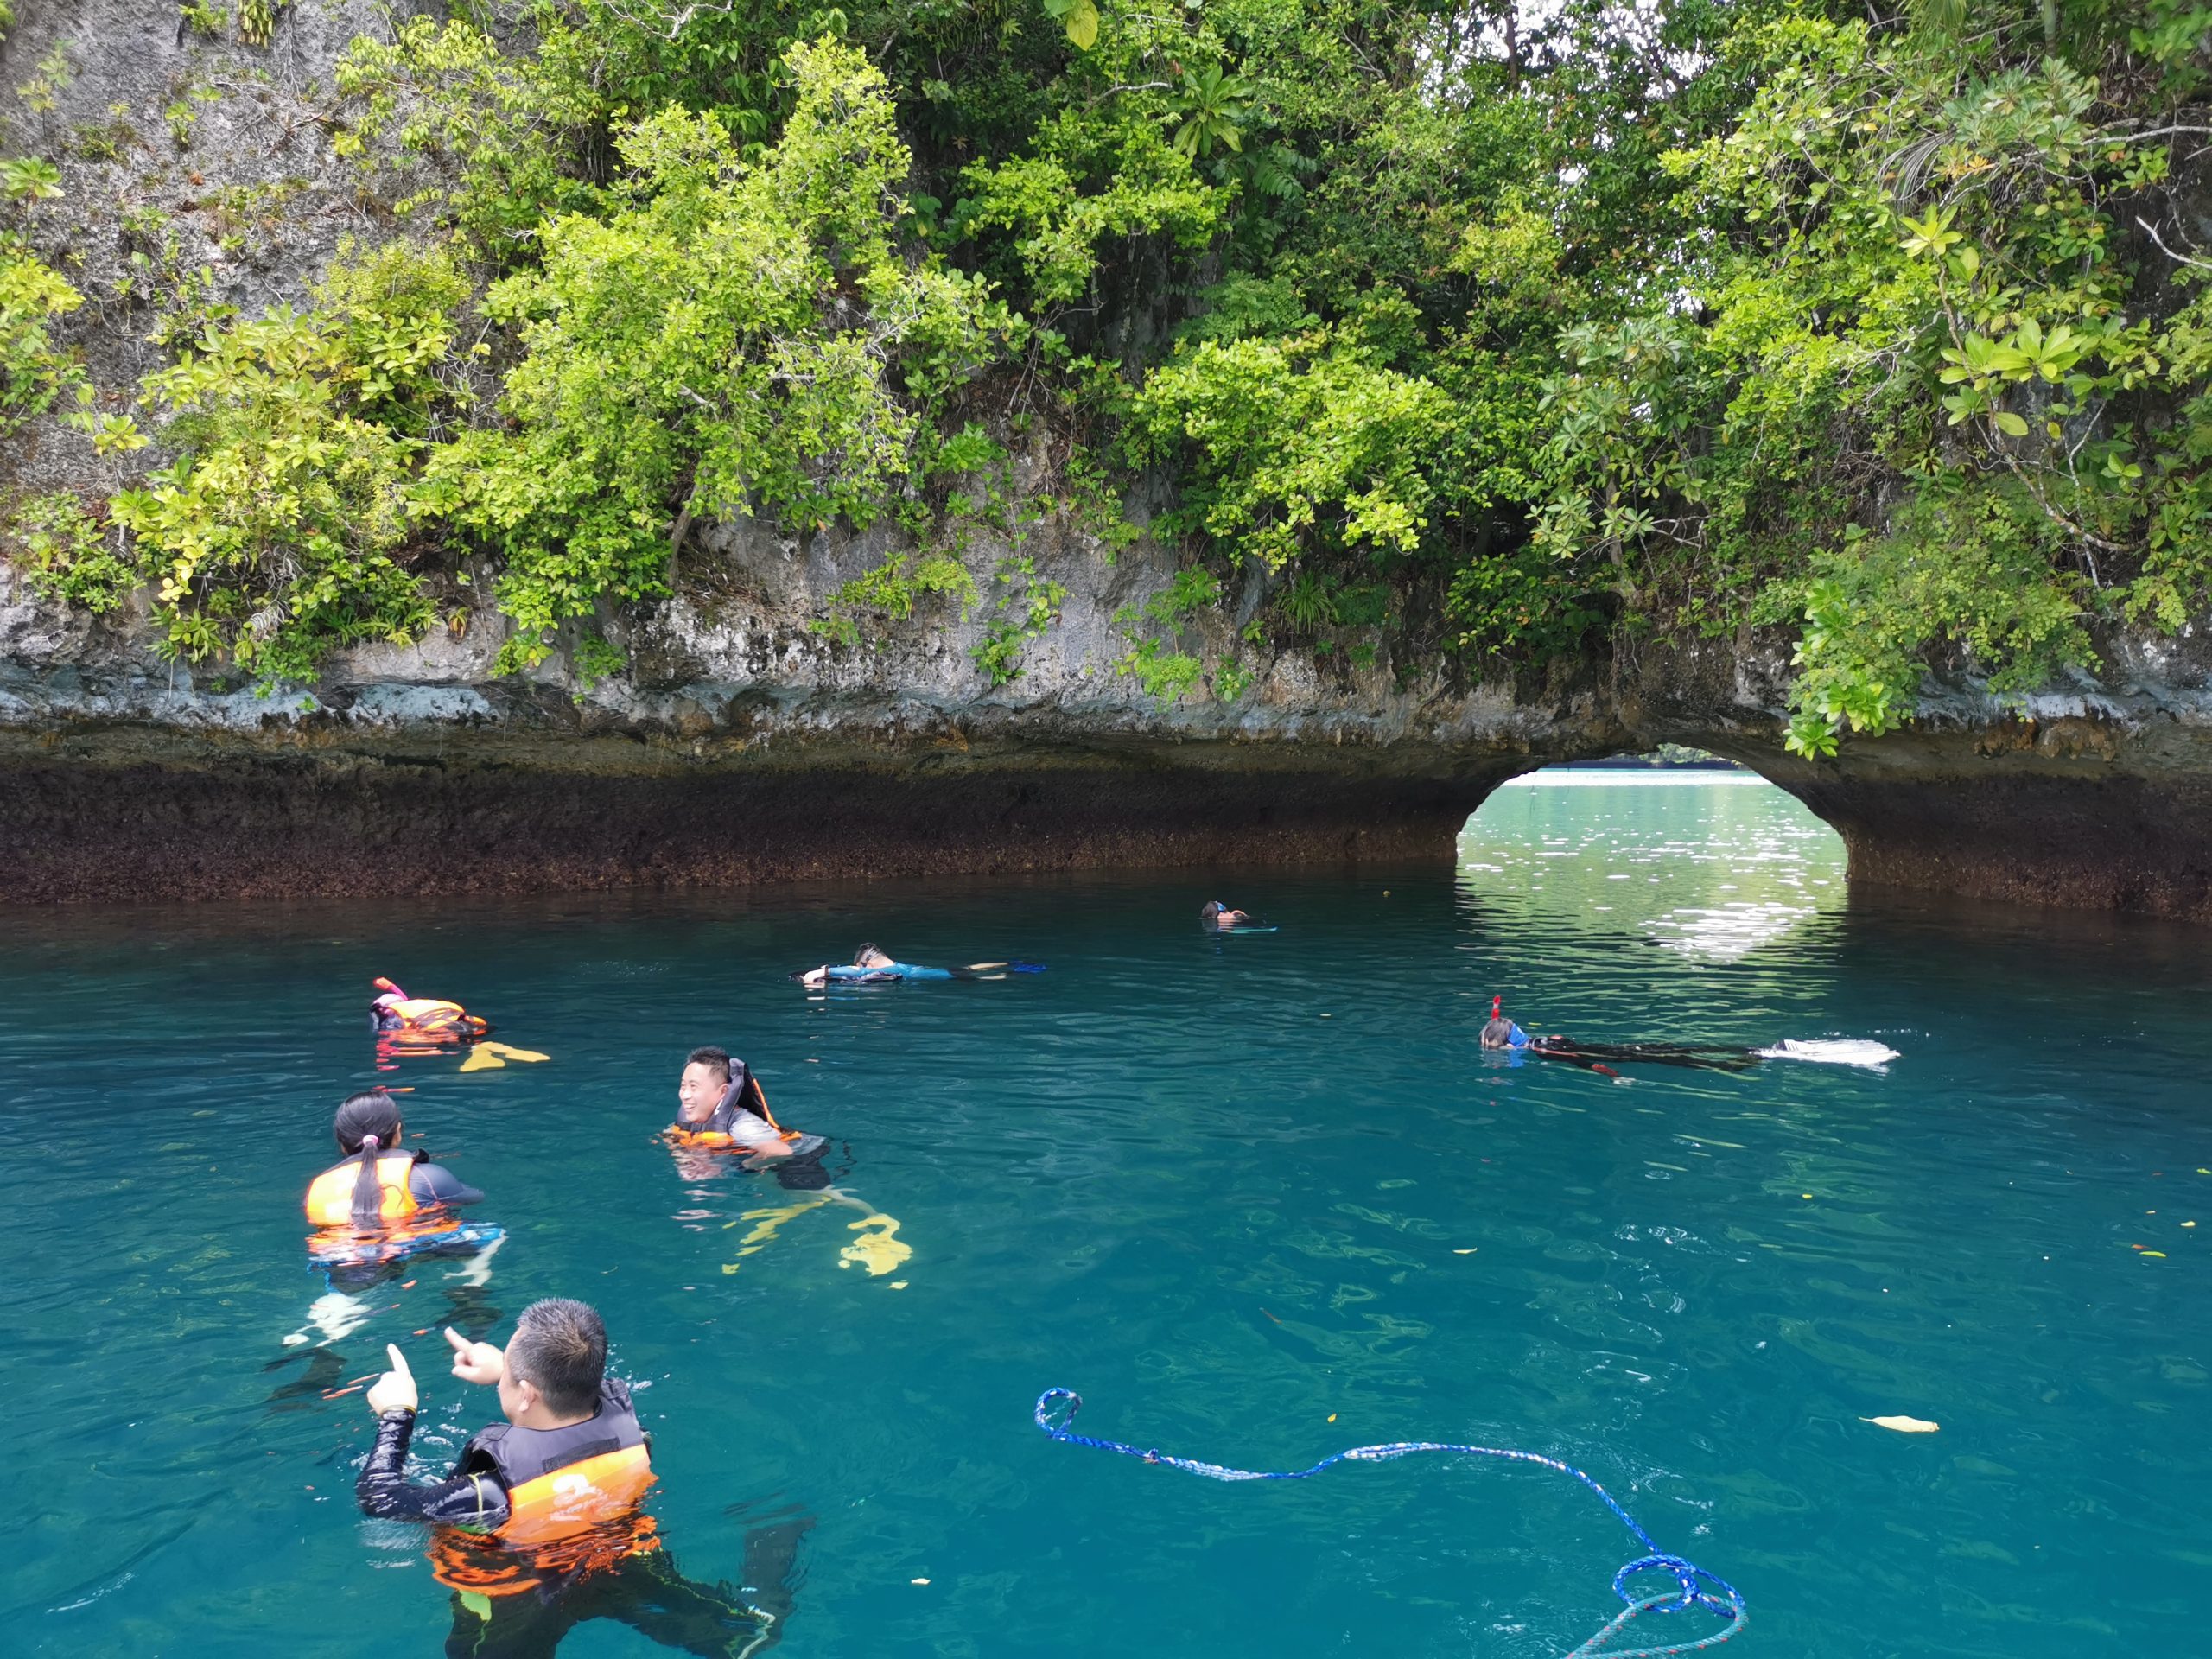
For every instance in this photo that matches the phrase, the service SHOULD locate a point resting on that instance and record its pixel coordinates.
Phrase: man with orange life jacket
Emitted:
(555, 1491)
(563, 1415)
(720, 1108)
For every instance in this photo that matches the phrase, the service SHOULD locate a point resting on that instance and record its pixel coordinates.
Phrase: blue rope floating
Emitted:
(1695, 1588)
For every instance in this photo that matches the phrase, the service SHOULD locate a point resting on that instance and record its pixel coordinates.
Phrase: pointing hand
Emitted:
(476, 1361)
(395, 1389)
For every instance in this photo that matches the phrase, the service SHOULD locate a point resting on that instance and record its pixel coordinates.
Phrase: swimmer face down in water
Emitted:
(872, 966)
(869, 964)
(1500, 1031)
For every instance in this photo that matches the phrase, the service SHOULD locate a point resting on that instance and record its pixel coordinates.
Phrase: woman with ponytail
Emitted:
(379, 1183)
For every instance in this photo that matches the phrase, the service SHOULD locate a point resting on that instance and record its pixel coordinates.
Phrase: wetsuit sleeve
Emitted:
(435, 1184)
(478, 1502)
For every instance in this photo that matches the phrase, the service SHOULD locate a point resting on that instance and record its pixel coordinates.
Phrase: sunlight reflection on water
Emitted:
(1734, 864)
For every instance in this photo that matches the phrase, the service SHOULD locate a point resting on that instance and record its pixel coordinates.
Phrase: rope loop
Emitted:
(1694, 1587)
(1700, 1588)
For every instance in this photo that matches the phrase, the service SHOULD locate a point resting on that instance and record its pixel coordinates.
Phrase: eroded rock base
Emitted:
(317, 824)
(2118, 843)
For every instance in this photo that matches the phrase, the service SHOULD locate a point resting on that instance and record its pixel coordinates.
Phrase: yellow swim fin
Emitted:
(490, 1057)
(878, 1248)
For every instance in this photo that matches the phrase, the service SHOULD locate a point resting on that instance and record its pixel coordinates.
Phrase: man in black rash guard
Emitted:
(545, 1506)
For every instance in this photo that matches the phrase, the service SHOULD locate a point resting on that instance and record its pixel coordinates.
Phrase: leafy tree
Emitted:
(731, 338)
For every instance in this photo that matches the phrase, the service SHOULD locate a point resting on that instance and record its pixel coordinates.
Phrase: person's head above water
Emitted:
(705, 1081)
(1497, 1033)
(1220, 914)
(372, 1112)
(869, 957)
(368, 1125)
(555, 1360)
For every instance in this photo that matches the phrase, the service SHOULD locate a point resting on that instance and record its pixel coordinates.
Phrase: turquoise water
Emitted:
(1229, 1190)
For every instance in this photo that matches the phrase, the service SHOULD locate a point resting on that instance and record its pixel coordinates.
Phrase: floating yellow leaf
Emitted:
(1903, 1424)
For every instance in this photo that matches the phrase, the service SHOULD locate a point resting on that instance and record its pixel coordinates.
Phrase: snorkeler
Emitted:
(394, 1014)
(1218, 918)
(870, 966)
(540, 1526)
(1500, 1031)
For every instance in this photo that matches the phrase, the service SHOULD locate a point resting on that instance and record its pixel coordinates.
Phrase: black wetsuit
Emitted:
(467, 1497)
(435, 1184)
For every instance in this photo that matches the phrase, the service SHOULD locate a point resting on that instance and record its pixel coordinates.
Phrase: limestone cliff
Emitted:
(739, 743)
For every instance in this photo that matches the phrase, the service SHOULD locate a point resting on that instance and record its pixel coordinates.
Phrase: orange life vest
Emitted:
(330, 1195)
(572, 1501)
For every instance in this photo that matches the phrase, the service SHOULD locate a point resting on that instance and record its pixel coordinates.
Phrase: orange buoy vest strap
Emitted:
(563, 1481)
(330, 1195)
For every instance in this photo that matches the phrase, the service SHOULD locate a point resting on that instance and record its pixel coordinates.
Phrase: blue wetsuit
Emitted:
(884, 973)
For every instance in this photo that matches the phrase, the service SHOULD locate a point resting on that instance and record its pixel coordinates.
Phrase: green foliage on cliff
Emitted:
(729, 338)
(1457, 333)
(286, 523)
(35, 369)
